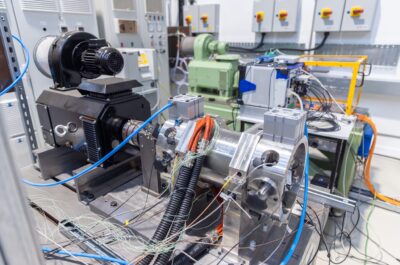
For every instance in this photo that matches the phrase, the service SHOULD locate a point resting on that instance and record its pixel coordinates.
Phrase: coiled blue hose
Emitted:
(18, 79)
(107, 156)
(303, 210)
(86, 255)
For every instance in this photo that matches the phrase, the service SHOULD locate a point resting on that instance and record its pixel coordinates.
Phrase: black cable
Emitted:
(171, 210)
(240, 240)
(66, 259)
(184, 210)
(370, 239)
(320, 233)
(348, 252)
(253, 49)
(181, 3)
(334, 126)
(194, 250)
(319, 46)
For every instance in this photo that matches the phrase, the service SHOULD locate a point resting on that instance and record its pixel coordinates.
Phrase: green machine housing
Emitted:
(214, 75)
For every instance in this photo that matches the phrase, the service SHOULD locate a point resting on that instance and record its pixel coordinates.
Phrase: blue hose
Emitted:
(303, 210)
(86, 255)
(107, 156)
(18, 79)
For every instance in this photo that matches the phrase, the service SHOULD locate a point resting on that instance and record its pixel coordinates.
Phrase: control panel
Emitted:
(263, 11)
(359, 15)
(328, 15)
(286, 13)
(157, 33)
(202, 18)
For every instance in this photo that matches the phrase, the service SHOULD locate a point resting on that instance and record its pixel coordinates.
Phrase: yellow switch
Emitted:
(260, 16)
(326, 12)
(204, 18)
(282, 15)
(188, 20)
(356, 11)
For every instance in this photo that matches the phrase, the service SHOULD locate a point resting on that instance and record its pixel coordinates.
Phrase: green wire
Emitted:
(366, 228)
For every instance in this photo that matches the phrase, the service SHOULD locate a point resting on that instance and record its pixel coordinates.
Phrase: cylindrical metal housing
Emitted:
(220, 156)
(41, 54)
(187, 46)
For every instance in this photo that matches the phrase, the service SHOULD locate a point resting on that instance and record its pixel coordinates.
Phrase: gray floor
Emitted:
(383, 225)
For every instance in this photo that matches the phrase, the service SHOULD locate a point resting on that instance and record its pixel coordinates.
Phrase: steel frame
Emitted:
(354, 62)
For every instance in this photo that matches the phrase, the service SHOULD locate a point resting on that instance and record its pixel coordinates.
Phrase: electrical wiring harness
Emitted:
(183, 195)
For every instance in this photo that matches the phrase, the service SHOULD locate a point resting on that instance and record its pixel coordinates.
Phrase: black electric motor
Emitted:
(82, 114)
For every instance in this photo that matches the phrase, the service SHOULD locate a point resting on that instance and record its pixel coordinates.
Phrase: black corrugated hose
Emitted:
(184, 211)
(173, 207)
(194, 250)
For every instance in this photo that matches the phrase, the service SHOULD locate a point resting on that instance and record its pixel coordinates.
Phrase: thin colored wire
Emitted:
(85, 255)
(18, 79)
(367, 227)
(107, 156)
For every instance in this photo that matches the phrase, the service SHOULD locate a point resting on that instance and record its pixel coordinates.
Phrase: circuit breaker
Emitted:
(359, 15)
(263, 11)
(209, 18)
(328, 15)
(286, 14)
(191, 17)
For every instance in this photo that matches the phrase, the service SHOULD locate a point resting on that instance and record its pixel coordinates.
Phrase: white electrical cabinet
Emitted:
(328, 15)
(139, 25)
(286, 15)
(359, 15)
(191, 17)
(202, 18)
(118, 22)
(141, 64)
(263, 12)
(209, 18)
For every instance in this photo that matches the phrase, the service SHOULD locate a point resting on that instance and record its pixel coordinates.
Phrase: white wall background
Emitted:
(381, 92)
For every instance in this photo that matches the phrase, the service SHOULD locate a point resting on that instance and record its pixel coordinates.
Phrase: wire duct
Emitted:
(184, 211)
(172, 209)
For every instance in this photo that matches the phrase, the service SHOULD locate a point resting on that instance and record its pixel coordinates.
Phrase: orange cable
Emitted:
(199, 126)
(367, 176)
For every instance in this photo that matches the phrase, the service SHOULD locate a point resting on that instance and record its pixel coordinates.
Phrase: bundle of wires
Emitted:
(178, 208)
(323, 115)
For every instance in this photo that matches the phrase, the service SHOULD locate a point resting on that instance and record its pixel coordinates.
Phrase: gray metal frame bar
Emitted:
(7, 40)
(329, 199)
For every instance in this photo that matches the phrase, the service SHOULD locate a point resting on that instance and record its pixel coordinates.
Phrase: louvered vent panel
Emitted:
(76, 6)
(2, 4)
(40, 5)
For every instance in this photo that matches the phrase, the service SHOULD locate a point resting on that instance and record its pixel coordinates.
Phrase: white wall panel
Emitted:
(236, 17)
